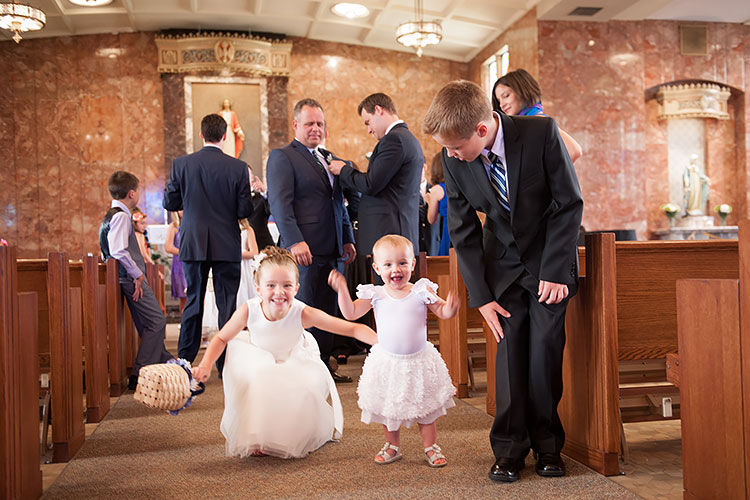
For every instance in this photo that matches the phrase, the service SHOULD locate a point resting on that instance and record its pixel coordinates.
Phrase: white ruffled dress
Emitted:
(276, 389)
(404, 378)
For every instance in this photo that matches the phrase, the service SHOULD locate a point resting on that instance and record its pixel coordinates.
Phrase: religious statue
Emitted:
(695, 184)
(235, 135)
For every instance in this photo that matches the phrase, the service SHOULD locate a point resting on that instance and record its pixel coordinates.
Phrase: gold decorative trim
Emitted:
(693, 100)
(223, 53)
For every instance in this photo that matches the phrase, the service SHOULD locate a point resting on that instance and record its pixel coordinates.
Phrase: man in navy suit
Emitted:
(213, 190)
(390, 187)
(308, 207)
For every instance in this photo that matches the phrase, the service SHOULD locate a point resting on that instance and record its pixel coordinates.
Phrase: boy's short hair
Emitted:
(307, 101)
(213, 128)
(121, 183)
(377, 99)
(394, 241)
(456, 110)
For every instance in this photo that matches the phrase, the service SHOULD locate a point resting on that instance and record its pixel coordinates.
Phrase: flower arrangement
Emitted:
(3, 243)
(723, 210)
(670, 210)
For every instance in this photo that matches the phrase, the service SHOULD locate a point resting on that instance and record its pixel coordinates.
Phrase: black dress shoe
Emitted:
(550, 465)
(340, 379)
(506, 470)
(133, 382)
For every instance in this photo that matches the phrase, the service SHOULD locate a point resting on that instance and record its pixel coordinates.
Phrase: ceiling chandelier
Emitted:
(419, 33)
(18, 17)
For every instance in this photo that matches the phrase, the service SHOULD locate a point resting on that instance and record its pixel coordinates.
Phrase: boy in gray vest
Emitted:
(117, 241)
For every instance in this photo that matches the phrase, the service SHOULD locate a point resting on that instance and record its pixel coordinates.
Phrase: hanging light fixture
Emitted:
(18, 17)
(419, 33)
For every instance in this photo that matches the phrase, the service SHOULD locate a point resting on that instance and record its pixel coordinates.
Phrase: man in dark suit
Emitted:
(390, 187)
(213, 190)
(521, 267)
(308, 207)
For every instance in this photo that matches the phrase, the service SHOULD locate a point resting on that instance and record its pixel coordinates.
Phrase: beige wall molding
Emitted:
(692, 100)
(223, 53)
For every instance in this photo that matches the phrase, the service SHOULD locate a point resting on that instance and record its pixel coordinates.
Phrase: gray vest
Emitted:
(133, 248)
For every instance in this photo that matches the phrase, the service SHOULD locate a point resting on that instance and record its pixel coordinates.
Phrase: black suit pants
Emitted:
(226, 280)
(315, 292)
(528, 373)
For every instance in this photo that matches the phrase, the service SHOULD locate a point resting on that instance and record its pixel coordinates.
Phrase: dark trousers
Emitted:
(315, 292)
(150, 322)
(226, 279)
(528, 373)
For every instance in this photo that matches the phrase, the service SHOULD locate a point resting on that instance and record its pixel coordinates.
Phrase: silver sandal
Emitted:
(437, 454)
(387, 457)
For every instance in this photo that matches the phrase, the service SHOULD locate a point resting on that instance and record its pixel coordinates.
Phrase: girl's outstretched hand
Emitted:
(451, 304)
(201, 374)
(337, 281)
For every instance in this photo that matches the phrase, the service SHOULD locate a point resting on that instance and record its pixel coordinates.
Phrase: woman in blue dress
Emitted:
(437, 203)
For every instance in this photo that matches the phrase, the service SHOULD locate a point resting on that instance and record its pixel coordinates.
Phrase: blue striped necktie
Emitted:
(498, 180)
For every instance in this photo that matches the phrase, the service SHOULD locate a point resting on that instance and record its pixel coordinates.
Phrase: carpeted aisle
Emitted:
(139, 453)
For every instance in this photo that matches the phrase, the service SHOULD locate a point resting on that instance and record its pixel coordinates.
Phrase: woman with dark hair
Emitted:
(518, 93)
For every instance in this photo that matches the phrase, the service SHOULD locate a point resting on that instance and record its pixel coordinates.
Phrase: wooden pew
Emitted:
(118, 377)
(20, 474)
(714, 361)
(60, 346)
(95, 340)
(625, 310)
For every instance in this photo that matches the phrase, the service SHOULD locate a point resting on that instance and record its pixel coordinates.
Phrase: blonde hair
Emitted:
(393, 241)
(244, 224)
(279, 257)
(456, 110)
(175, 219)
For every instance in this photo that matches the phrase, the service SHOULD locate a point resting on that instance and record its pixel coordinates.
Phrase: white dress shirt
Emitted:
(120, 227)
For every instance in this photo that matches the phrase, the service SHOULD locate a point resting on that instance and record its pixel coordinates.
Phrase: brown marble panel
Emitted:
(657, 168)
(100, 129)
(98, 73)
(70, 232)
(721, 165)
(24, 118)
(278, 119)
(95, 201)
(27, 186)
(173, 95)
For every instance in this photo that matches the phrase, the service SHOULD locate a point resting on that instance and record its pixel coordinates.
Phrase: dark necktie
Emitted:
(498, 179)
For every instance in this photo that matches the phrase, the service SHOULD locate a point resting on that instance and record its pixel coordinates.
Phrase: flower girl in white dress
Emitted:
(404, 379)
(276, 388)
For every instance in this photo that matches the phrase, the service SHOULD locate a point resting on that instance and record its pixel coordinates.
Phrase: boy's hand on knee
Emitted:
(489, 312)
(138, 293)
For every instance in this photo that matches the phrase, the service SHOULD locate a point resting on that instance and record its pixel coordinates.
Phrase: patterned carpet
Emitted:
(139, 453)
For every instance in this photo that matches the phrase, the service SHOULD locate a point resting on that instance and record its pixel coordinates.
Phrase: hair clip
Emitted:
(255, 261)
(139, 216)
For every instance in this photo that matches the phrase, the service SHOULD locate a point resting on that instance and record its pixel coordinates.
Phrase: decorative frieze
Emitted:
(693, 100)
(223, 53)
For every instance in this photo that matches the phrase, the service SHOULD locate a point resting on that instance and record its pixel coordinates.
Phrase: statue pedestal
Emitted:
(696, 233)
(695, 221)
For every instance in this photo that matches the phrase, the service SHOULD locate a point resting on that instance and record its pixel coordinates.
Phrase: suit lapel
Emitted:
(307, 155)
(513, 149)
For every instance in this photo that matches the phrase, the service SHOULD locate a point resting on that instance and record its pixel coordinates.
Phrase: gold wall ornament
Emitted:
(223, 53)
(692, 100)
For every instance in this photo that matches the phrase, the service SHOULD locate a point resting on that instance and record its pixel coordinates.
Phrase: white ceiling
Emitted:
(468, 25)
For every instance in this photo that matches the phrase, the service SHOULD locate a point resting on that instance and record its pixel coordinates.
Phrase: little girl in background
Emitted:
(246, 291)
(139, 224)
(404, 379)
(172, 246)
(275, 385)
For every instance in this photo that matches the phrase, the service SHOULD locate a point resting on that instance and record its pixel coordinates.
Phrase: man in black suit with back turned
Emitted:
(390, 187)
(521, 267)
(308, 207)
(213, 190)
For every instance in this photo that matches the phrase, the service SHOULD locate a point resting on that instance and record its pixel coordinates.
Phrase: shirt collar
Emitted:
(393, 125)
(212, 146)
(124, 207)
(498, 147)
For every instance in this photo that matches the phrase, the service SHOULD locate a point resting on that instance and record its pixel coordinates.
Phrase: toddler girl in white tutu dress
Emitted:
(276, 387)
(404, 379)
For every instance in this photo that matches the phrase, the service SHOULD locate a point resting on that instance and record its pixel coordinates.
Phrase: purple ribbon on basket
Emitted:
(196, 387)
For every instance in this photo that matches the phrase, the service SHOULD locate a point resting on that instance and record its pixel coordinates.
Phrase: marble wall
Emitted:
(74, 110)
(597, 80)
(339, 76)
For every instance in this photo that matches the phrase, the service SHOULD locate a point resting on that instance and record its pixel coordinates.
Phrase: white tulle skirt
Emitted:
(279, 408)
(399, 389)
